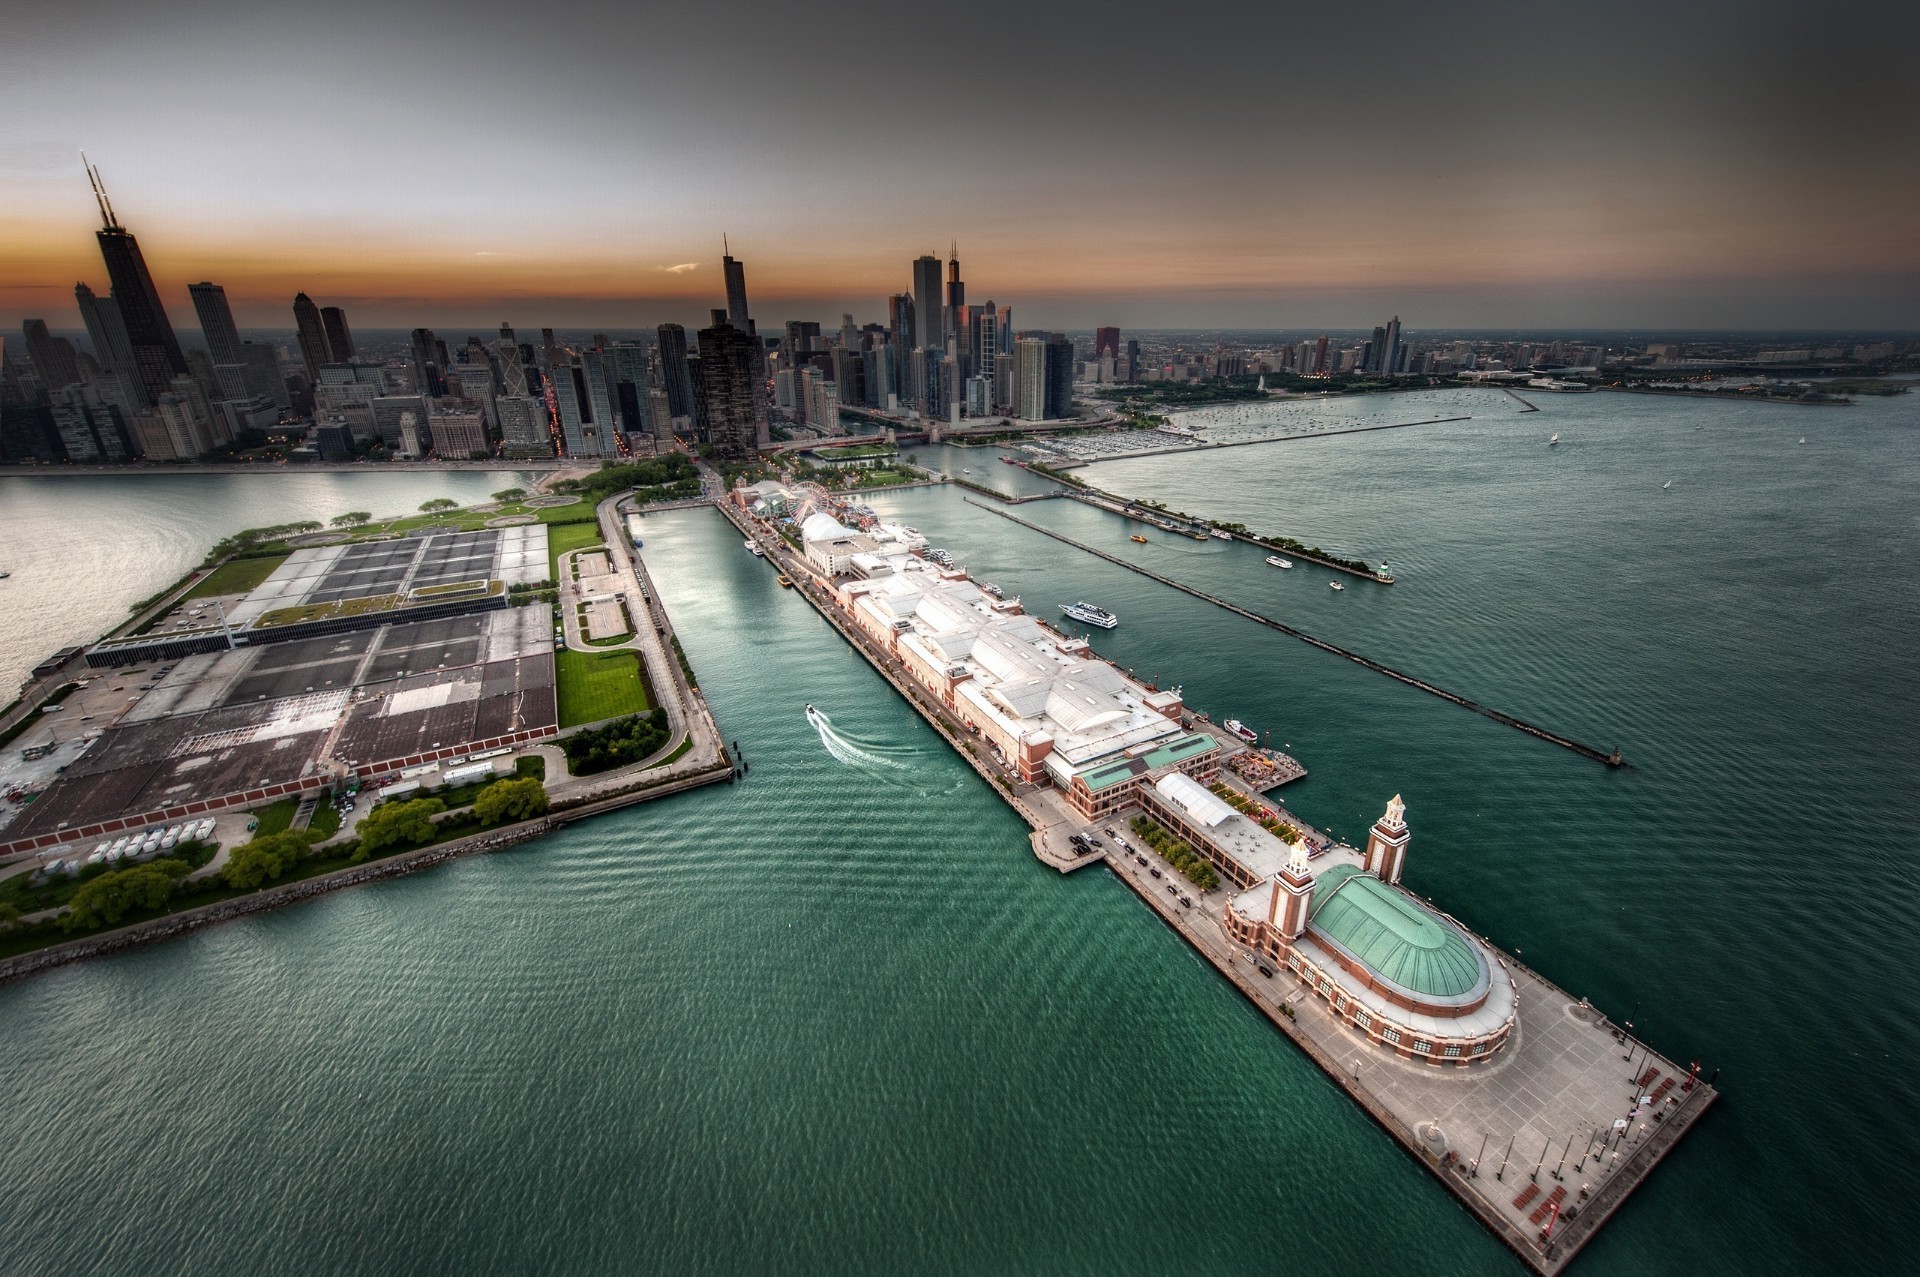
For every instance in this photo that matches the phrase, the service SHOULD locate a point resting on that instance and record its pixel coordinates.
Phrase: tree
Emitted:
(438, 504)
(510, 494)
(351, 519)
(105, 900)
(506, 800)
(9, 914)
(396, 824)
(267, 857)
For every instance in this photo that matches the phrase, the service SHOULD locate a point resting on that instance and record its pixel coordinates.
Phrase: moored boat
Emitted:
(1241, 730)
(1275, 561)
(1088, 614)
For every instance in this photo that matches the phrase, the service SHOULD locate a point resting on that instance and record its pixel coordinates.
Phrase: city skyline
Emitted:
(1494, 169)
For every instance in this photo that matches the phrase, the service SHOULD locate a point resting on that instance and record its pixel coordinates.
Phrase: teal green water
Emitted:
(837, 1019)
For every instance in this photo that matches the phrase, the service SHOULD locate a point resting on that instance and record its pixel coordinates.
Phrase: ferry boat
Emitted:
(1335, 585)
(1241, 730)
(1219, 535)
(786, 582)
(1275, 561)
(1136, 537)
(1088, 614)
(753, 548)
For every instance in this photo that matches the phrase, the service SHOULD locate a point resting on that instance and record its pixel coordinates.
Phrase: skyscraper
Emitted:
(223, 339)
(735, 408)
(956, 299)
(111, 347)
(736, 289)
(428, 372)
(53, 357)
(156, 351)
(216, 322)
(928, 303)
(1030, 379)
(1106, 341)
(1390, 348)
(339, 337)
(1059, 376)
(678, 378)
(312, 335)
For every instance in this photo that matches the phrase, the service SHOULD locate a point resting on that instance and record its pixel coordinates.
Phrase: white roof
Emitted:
(1191, 797)
(823, 527)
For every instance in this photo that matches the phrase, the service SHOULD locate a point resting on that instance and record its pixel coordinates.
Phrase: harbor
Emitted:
(1588, 1109)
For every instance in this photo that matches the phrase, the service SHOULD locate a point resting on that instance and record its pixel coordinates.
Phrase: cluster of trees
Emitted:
(266, 858)
(1178, 853)
(623, 741)
(402, 824)
(103, 901)
(1256, 812)
(351, 519)
(505, 801)
(646, 472)
(438, 504)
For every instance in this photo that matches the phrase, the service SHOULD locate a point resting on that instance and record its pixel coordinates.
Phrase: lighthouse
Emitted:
(1387, 844)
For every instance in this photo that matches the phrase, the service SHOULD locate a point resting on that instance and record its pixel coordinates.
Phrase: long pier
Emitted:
(1612, 759)
(1558, 1084)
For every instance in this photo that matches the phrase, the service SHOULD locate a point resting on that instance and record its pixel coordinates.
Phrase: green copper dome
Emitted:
(1395, 937)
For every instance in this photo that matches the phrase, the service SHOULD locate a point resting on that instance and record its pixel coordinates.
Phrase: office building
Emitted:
(157, 357)
(523, 426)
(312, 335)
(1059, 393)
(339, 339)
(216, 323)
(929, 304)
(736, 276)
(1106, 341)
(457, 429)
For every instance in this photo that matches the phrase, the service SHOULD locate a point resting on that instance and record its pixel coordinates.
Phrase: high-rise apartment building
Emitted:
(157, 357)
(676, 376)
(736, 410)
(216, 323)
(1030, 378)
(53, 357)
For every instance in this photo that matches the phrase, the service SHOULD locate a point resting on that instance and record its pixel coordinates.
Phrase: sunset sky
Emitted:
(1679, 165)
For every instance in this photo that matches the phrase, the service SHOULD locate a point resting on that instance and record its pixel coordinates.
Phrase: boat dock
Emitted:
(1542, 1143)
(1612, 759)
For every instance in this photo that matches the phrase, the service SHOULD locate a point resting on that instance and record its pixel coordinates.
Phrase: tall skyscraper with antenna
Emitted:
(929, 306)
(736, 289)
(157, 358)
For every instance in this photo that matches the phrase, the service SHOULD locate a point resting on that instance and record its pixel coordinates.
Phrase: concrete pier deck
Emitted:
(1527, 1140)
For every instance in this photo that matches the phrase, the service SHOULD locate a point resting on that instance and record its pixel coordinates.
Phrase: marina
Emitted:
(1547, 1073)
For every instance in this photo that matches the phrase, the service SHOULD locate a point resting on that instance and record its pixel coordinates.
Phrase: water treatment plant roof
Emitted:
(1395, 936)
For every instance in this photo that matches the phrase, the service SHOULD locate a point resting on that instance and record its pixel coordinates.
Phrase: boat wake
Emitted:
(855, 752)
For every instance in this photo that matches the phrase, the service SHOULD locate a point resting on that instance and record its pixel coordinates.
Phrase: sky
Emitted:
(1689, 164)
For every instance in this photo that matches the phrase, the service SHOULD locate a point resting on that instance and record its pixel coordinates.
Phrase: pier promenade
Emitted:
(1543, 1142)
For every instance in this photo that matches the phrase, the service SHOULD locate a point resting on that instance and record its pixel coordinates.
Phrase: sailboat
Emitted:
(1666, 485)
(1553, 441)
(1803, 438)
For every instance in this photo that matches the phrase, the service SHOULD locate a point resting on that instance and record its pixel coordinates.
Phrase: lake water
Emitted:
(837, 1019)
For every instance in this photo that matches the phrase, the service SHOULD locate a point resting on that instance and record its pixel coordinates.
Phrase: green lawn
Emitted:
(562, 537)
(275, 818)
(236, 576)
(599, 685)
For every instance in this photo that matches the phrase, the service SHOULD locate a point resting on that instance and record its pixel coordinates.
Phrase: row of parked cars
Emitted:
(142, 845)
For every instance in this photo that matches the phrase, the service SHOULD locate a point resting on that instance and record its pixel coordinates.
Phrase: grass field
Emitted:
(599, 685)
(236, 576)
(562, 537)
(275, 818)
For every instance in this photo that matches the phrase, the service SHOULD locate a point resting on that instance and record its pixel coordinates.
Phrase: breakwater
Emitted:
(1611, 759)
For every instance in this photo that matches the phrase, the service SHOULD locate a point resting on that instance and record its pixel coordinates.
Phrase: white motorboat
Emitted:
(1088, 614)
(1275, 561)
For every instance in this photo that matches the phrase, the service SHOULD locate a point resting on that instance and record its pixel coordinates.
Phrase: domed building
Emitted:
(1400, 974)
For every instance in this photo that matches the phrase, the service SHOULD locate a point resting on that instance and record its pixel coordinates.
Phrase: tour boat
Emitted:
(1219, 535)
(1336, 585)
(1241, 730)
(1091, 615)
(753, 548)
(1274, 560)
(1142, 540)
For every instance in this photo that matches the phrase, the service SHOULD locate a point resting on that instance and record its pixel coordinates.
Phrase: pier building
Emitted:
(1044, 704)
(1396, 972)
